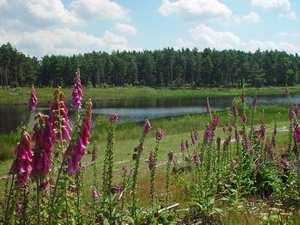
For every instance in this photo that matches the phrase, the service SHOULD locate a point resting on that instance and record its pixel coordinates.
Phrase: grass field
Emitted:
(20, 95)
(172, 126)
(176, 129)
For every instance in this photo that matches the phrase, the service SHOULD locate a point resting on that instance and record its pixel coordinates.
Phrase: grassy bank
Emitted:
(177, 129)
(172, 126)
(20, 95)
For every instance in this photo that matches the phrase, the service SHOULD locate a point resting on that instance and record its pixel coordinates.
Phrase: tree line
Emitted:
(158, 68)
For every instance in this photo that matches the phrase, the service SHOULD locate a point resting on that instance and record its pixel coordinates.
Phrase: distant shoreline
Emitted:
(20, 95)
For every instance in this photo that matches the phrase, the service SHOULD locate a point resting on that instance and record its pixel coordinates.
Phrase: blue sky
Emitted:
(40, 27)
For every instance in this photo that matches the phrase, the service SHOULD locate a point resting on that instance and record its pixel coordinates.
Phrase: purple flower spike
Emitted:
(44, 138)
(59, 116)
(95, 193)
(22, 164)
(160, 134)
(147, 126)
(114, 118)
(77, 150)
(77, 93)
(208, 134)
(33, 100)
(151, 160)
(297, 133)
(196, 159)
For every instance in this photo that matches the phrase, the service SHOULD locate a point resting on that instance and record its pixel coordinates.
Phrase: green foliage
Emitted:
(159, 68)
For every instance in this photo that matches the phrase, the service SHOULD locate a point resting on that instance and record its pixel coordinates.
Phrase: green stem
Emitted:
(38, 201)
(6, 214)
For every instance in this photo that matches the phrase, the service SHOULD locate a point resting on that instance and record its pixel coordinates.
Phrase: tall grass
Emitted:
(238, 162)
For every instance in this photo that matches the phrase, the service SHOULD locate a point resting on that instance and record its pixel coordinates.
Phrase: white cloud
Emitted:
(35, 13)
(125, 29)
(272, 4)
(251, 17)
(3, 3)
(202, 8)
(204, 36)
(62, 41)
(99, 9)
(284, 6)
(209, 37)
(40, 27)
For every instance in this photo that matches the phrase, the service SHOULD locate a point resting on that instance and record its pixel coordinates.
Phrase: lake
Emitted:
(11, 116)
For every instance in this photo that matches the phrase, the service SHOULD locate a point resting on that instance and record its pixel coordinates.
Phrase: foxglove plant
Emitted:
(22, 166)
(77, 149)
(20, 170)
(59, 117)
(171, 158)
(136, 157)
(77, 92)
(152, 163)
(43, 139)
(33, 100)
(108, 158)
(59, 120)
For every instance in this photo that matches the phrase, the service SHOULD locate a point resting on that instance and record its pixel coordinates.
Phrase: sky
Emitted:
(43, 27)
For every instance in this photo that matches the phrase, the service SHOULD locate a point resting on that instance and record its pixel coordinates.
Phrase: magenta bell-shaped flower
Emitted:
(77, 93)
(21, 167)
(147, 126)
(43, 138)
(297, 134)
(76, 150)
(33, 100)
(59, 118)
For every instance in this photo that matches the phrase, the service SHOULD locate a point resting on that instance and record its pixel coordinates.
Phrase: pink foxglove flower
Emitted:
(208, 134)
(43, 138)
(77, 149)
(118, 189)
(147, 126)
(151, 160)
(95, 193)
(77, 93)
(160, 134)
(297, 133)
(247, 143)
(292, 115)
(215, 122)
(114, 118)
(196, 158)
(22, 164)
(33, 100)
(59, 117)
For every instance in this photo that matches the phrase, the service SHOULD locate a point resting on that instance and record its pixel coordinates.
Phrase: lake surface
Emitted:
(11, 116)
